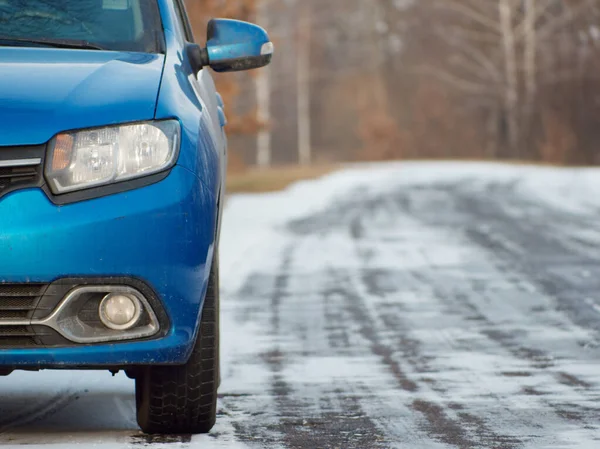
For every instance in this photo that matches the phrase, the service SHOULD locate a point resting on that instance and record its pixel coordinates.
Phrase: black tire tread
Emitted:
(183, 399)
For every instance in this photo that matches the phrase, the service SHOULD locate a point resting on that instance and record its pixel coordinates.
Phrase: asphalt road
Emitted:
(444, 312)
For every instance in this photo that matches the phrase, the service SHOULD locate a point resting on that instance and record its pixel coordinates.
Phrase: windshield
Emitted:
(120, 25)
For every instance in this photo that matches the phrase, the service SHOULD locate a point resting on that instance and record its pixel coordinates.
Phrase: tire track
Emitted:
(306, 413)
(337, 417)
(441, 288)
(431, 212)
(462, 428)
(39, 411)
(487, 227)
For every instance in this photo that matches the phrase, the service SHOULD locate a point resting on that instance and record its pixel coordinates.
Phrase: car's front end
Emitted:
(58, 262)
(112, 166)
(102, 215)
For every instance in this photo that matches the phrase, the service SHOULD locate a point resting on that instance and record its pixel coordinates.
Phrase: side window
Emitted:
(183, 20)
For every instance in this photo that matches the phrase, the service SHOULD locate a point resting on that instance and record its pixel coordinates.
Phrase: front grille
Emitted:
(17, 337)
(12, 178)
(17, 343)
(14, 314)
(17, 302)
(20, 167)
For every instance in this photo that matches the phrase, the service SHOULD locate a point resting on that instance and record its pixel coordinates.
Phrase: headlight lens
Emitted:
(95, 157)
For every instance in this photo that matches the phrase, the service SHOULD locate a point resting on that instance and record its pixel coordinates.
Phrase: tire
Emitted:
(183, 399)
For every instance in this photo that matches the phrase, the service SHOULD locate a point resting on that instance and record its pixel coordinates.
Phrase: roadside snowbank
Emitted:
(573, 189)
(252, 219)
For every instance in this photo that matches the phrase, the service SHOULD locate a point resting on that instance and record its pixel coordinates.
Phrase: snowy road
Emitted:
(399, 306)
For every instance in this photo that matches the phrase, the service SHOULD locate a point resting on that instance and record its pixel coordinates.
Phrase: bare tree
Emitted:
(511, 81)
(494, 47)
(422, 78)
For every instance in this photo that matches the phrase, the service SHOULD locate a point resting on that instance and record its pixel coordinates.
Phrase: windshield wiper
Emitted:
(58, 43)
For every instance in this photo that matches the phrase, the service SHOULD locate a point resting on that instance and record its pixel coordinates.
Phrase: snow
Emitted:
(569, 189)
(261, 220)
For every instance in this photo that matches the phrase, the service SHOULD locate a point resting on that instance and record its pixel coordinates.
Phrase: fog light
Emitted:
(120, 311)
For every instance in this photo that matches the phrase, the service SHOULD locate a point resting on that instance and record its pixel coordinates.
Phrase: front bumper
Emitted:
(162, 234)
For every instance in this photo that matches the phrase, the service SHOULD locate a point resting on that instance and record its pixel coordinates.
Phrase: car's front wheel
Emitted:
(183, 399)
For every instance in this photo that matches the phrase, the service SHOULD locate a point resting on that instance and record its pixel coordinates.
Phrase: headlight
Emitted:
(95, 157)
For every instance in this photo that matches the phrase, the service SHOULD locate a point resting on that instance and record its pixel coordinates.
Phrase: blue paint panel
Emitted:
(162, 234)
(44, 91)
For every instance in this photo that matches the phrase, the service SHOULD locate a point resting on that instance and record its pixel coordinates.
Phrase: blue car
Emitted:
(112, 169)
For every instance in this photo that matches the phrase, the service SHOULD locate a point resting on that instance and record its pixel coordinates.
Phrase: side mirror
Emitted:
(234, 46)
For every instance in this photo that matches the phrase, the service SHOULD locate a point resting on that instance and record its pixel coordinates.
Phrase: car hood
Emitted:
(45, 91)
